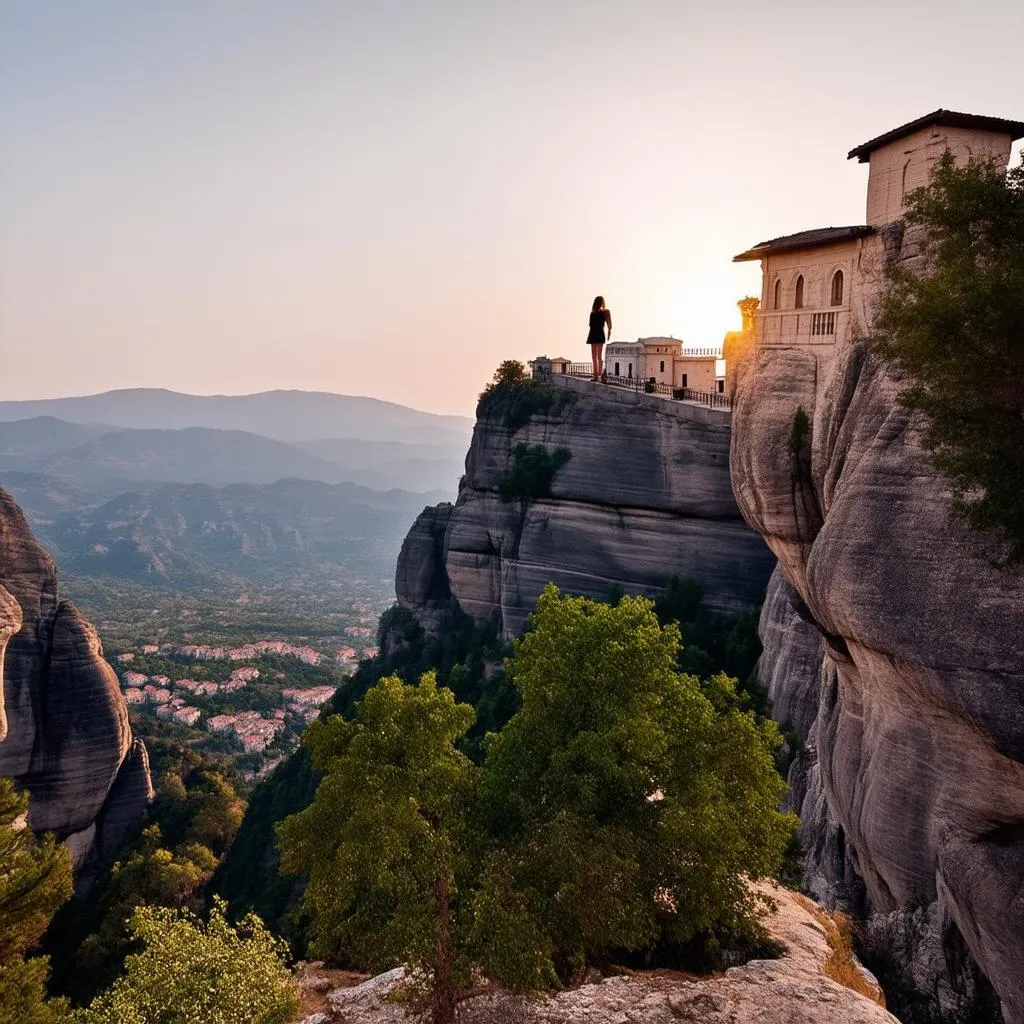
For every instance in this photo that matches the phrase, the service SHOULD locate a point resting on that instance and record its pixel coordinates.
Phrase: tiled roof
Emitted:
(804, 240)
(950, 118)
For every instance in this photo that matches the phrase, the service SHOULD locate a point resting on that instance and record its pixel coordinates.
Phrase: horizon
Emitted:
(221, 394)
(388, 201)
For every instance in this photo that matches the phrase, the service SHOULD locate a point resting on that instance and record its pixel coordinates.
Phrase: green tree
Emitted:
(35, 879)
(381, 841)
(190, 970)
(509, 374)
(169, 863)
(514, 398)
(625, 807)
(148, 875)
(531, 471)
(957, 334)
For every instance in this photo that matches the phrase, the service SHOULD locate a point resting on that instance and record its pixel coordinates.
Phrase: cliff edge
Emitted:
(64, 732)
(641, 493)
(797, 988)
(894, 648)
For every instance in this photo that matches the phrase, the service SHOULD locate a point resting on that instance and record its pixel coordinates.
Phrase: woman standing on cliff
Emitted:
(599, 317)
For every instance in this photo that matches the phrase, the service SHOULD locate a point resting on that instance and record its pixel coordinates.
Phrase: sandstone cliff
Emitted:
(64, 733)
(895, 648)
(645, 495)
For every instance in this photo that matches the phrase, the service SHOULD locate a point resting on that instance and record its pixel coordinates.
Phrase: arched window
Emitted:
(837, 288)
(799, 301)
(777, 301)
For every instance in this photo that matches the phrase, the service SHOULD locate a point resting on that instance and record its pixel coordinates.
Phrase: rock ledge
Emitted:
(790, 990)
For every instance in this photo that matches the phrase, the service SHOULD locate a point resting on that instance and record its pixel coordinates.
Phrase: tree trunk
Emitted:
(444, 981)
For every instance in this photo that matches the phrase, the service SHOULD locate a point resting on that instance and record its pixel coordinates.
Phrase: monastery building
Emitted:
(820, 287)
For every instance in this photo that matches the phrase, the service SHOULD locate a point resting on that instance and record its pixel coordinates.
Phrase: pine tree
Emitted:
(35, 879)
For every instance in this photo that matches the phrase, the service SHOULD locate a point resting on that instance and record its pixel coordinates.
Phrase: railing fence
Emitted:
(650, 386)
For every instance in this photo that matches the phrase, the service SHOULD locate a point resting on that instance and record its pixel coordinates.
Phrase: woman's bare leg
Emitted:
(595, 356)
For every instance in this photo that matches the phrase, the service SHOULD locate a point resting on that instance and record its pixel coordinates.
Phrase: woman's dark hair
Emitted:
(598, 303)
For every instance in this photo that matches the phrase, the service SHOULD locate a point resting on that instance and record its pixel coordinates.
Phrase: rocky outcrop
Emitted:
(893, 625)
(645, 495)
(794, 989)
(63, 722)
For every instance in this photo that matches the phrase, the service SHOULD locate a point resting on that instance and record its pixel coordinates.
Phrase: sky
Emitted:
(390, 197)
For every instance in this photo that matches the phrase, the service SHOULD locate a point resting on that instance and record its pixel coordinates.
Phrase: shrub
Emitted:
(190, 970)
(531, 471)
(513, 398)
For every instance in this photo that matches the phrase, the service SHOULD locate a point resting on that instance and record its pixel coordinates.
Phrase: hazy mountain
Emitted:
(115, 460)
(282, 415)
(194, 535)
(43, 435)
(369, 454)
(383, 464)
(43, 498)
(191, 455)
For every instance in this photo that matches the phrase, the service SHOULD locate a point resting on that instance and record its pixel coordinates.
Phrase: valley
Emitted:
(174, 521)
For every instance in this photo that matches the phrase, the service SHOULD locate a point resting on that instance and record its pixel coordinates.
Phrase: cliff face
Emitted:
(645, 495)
(64, 733)
(895, 648)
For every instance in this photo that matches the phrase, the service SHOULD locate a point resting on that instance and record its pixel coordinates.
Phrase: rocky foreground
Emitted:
(791, 990)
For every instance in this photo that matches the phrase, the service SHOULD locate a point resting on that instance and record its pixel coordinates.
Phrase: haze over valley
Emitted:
(273, 513)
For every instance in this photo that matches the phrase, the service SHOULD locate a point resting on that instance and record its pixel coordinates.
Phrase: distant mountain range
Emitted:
(197, 493)
(92, 456)
(189, 535)
(282, 415)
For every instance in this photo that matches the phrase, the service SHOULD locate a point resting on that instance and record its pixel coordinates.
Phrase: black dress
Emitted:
(598, 318)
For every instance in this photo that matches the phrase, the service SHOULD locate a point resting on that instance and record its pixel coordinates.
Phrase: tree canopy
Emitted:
(193, 970)
(35, 879)
(623, 808)
(957, 334)
(627, 805)
(382, 840)
(514, 398)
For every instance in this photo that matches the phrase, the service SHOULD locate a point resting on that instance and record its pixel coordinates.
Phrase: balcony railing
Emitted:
(712, 399)
(803, 327)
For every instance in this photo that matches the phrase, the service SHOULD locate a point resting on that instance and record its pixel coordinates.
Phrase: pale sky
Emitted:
(389, 197)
